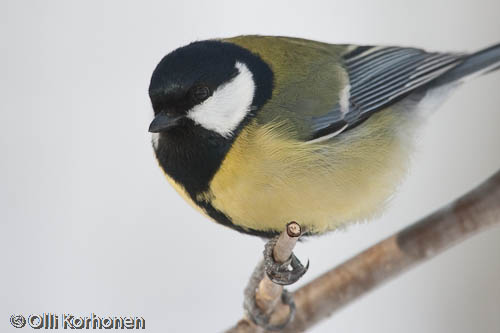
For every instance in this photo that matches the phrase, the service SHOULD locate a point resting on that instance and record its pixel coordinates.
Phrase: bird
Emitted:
(256, 131)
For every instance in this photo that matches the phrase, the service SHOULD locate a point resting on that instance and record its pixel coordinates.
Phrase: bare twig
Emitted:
(263, 295)
(336, 288)
(268, 294)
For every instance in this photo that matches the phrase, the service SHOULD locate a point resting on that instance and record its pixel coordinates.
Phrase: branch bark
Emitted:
(320, 298)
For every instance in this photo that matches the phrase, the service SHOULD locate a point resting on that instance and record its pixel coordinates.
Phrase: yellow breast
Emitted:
(268, 179)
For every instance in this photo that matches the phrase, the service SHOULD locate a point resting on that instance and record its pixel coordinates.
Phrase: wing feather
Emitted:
(378, 77)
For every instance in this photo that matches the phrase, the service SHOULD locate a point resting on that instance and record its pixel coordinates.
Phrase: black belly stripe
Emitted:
(191, 160)
(223, 219)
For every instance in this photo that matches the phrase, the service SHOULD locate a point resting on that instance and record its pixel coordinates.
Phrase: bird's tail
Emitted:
(479, 63)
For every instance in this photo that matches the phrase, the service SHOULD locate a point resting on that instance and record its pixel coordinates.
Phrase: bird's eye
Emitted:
(200, 93)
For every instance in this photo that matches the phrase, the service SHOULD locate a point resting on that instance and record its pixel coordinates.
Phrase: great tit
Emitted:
(257, 131)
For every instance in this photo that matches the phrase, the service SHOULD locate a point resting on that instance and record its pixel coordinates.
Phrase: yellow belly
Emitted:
(269, 179)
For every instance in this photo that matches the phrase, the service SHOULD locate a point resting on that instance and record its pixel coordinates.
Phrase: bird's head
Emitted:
(212, 86)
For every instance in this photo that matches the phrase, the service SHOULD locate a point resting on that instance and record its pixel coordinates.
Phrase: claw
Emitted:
(280, 273)
(253, 311)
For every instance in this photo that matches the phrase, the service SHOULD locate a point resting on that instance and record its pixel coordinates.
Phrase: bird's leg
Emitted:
(282, 273)
(254, 312)
(279, 267)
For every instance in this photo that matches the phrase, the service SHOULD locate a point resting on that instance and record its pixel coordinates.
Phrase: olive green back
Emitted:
(308, 78)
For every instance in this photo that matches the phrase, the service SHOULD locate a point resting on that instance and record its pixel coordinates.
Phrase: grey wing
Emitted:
(378, 77)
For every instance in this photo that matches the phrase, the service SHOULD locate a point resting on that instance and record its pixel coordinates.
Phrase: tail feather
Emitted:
(497, 67)
(479, 63)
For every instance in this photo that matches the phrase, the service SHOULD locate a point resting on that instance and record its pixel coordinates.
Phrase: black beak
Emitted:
(163, 122)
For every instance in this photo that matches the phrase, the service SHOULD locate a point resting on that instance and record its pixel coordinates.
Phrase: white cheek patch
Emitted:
(229, 104)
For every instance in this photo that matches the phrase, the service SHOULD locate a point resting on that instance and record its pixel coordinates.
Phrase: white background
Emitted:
(89, 224)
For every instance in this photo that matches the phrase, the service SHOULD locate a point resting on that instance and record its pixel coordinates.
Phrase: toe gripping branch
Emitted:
(280, 273)
(281, 267)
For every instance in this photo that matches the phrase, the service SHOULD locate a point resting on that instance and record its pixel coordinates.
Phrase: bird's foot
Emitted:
(255, 313)
(282, 273)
